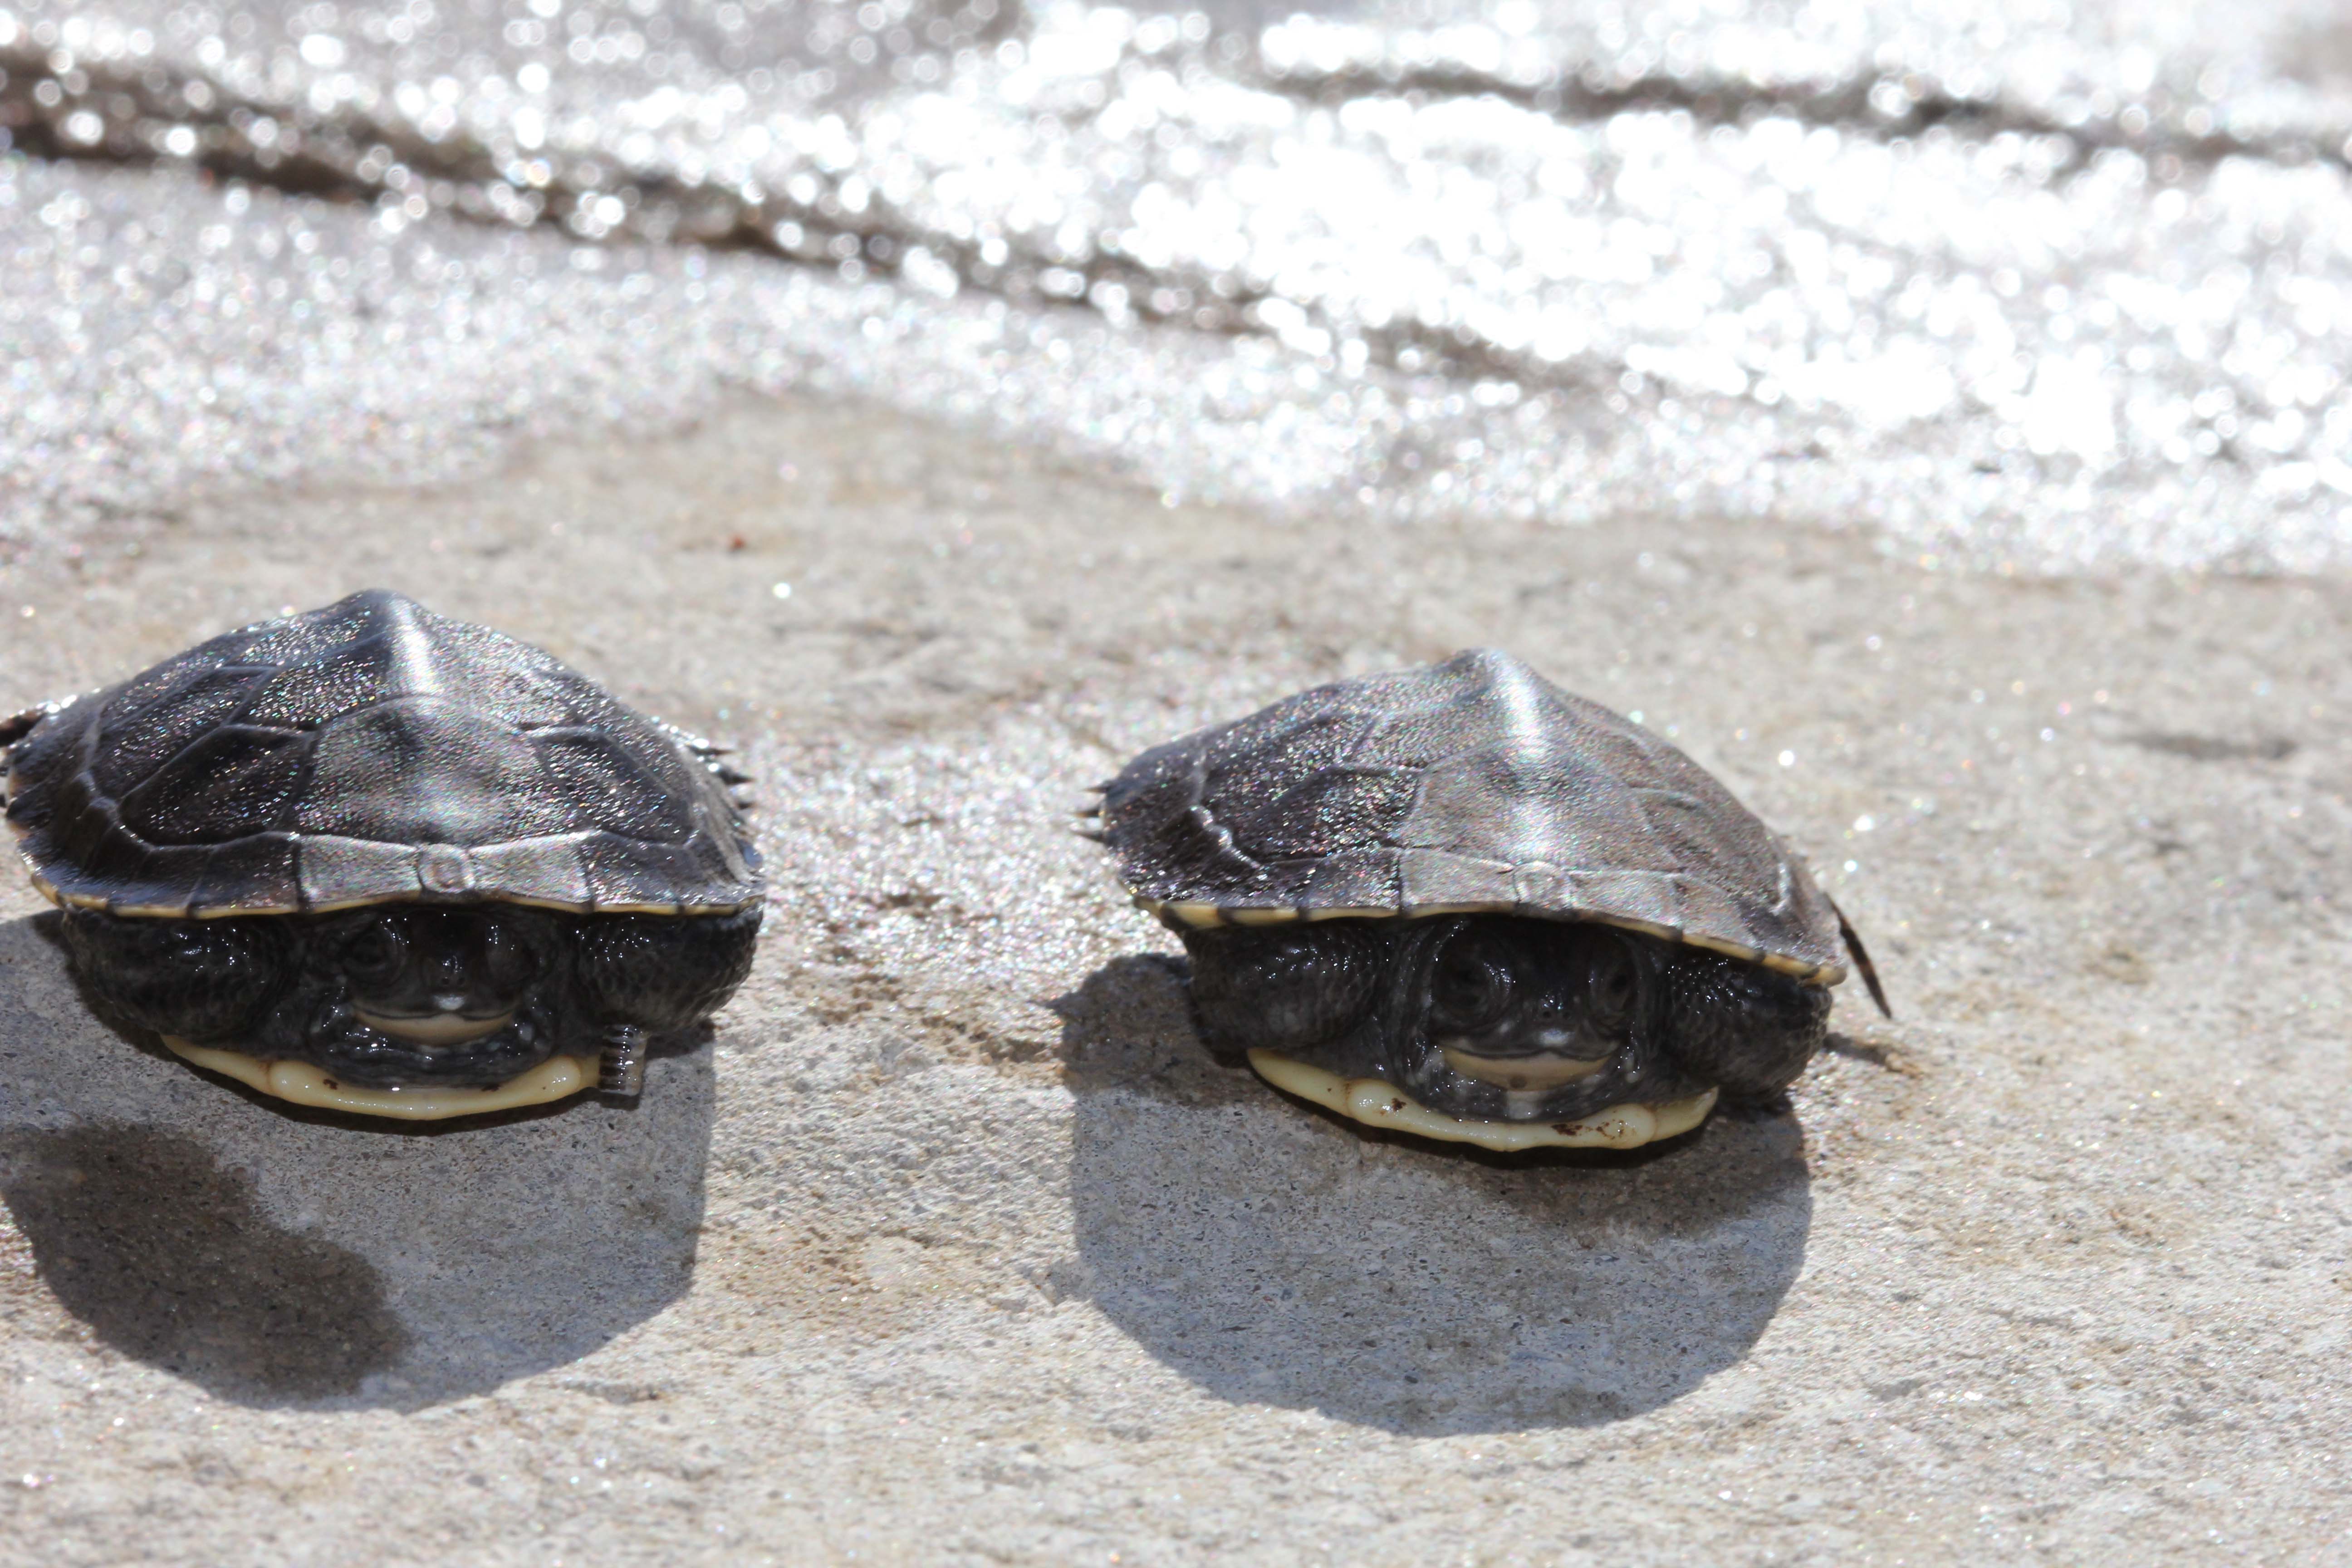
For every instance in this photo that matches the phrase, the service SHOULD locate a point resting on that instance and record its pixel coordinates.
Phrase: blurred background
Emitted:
(2013, 284)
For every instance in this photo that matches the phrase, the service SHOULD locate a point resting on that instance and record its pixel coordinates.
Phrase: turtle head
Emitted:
(419, 998)
(1540, 1021)
(437, 977)
(1531, 1006)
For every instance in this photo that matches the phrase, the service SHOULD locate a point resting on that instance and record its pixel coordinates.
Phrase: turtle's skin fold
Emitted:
(411, 853)
(1524, 913)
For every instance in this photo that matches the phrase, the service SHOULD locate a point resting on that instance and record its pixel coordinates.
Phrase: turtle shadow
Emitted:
(1275, 1255)
(277, 1256)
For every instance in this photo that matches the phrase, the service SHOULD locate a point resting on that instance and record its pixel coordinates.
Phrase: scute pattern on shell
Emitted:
(1473, 785)
(371, 752)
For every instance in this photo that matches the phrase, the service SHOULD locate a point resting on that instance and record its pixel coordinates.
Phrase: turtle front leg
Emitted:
(648, 974)
(17, 726)
(199, 980)
(1745, 1028)
(1283, 988)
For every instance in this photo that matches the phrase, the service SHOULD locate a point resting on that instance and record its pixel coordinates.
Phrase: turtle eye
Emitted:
(1611, 988)
(375, 953)
(1469, 990)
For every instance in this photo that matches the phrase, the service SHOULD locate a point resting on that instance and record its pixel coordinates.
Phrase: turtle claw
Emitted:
(708, 752)
(621, 1069)
(17, 726)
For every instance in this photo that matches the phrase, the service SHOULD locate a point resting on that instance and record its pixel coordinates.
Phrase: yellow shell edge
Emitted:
(1204, 915)
(554, 1079)
(1375, 1103)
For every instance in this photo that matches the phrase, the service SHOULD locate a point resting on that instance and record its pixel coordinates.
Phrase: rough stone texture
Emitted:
(954, 1247)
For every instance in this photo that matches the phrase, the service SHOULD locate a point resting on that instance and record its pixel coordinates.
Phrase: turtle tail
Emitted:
(1863, 966)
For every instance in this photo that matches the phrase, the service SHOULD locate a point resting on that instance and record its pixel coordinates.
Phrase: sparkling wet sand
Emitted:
(952, 1245)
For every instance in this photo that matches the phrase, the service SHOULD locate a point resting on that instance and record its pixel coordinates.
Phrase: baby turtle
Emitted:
(1459, 902)
(375, 860)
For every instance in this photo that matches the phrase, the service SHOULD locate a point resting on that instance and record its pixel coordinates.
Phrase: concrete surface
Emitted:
(953, 1247)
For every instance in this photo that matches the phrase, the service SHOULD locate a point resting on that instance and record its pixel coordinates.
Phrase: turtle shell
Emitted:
(1472, 787)
(371, 752)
